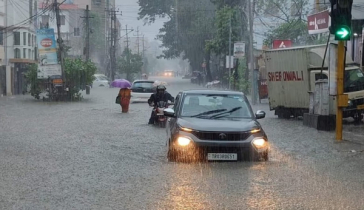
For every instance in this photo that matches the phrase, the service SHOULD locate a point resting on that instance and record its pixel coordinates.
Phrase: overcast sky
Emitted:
(129, 16)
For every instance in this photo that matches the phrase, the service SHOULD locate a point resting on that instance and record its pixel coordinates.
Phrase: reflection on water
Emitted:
(182, 190)
(262, 195)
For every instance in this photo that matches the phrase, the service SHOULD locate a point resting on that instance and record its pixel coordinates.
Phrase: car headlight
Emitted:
(260, 143)
(183, 141)
(255, 130)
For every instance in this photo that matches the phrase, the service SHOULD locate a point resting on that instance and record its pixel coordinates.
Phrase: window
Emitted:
(24, 38)
(17, 53)
(16, 38)
(63, 20)
(143, 85)
(29, 39)
(97, 1)
(29, 54)
(176, 102)
(76, 32)
(24, 53)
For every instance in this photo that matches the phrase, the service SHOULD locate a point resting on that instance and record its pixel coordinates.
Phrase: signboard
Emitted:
(332, 69)
(239, 50)
(47, 48)
(319, 22)
(49, 70)
(281, 44)
(231, 62)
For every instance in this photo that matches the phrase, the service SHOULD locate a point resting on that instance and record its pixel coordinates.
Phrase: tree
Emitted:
(220, 43)
(190, 26)
(151, 9)
(130, 64)
(291, 19)
(78, 73)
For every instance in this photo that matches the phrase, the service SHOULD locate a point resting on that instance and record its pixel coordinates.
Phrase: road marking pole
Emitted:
(340, 90)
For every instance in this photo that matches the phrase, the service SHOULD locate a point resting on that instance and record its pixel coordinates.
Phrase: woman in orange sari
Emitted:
(125, 95)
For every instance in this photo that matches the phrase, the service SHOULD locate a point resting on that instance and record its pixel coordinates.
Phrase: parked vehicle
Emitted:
(292, 73)
(214, 125)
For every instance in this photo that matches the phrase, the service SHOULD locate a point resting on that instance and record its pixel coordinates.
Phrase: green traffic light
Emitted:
(342, 33)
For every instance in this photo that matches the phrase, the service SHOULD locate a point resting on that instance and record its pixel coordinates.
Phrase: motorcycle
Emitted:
(160, 119)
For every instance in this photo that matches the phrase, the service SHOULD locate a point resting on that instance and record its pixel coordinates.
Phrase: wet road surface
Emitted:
(87, 155)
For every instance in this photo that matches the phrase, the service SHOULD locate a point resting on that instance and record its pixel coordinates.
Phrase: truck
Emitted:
(292, 74)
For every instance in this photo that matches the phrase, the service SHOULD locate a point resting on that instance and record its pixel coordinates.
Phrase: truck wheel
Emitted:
(284, 114)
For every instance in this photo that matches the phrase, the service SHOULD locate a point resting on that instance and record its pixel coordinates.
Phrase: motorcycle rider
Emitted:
(160, 95)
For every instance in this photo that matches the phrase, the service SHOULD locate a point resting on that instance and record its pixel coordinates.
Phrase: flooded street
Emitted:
(88, 155)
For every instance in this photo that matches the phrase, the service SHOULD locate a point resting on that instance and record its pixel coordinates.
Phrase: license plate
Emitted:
(222, 156)
(360, 106)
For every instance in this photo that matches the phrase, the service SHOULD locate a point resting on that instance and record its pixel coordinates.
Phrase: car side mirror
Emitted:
(169, 112)
(260, 114)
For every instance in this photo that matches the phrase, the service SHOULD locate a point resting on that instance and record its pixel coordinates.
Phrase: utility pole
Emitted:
(138, 40)
(127, 45)
(341, 26)
(113, 45)
(143, 47)
(317, 5)
(113, 40)
(251, 53)
(229, 60)
(6, 33)
(87, 17)
(59, 40)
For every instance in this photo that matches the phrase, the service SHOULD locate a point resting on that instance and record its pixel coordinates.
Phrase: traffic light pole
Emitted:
(340, 89)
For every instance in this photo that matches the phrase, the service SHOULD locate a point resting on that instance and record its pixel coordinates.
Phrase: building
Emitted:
(19, 43)
(72, 27)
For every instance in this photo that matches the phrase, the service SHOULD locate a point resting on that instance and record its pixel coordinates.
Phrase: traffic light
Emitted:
(341, 19)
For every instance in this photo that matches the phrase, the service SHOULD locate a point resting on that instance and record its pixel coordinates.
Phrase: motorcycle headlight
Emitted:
(350, 103)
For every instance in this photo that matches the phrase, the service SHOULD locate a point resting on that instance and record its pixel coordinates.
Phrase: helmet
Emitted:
(161, 87)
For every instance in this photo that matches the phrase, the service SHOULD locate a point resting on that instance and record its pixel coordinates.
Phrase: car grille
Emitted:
(221, 136)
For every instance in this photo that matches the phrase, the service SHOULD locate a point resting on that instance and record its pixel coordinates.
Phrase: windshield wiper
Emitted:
(209, 112)
(228, 112)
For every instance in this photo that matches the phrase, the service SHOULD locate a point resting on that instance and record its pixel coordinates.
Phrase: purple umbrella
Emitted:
(121, 83)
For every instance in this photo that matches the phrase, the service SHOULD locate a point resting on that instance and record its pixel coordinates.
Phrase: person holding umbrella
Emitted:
(124, 95)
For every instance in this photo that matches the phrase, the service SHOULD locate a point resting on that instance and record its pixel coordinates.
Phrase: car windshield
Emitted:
(354, 80)
(101, 77)
(143, 85)
(216, 106)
